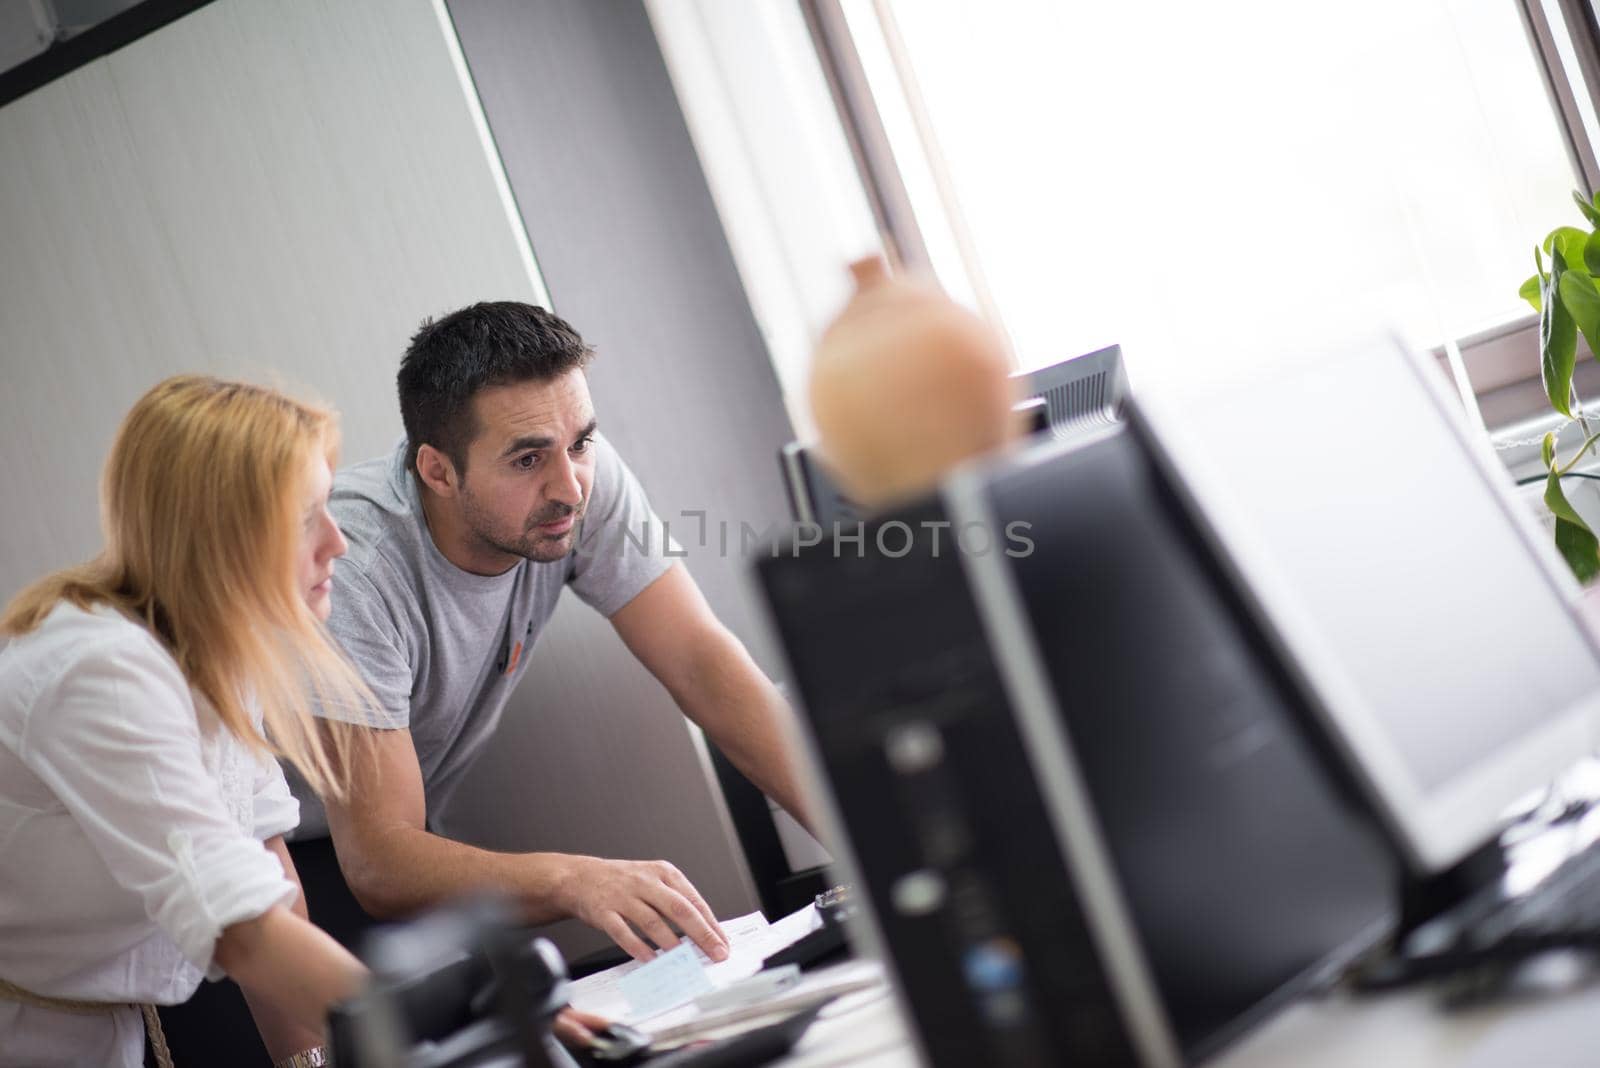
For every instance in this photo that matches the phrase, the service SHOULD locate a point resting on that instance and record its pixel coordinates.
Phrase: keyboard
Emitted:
(1497, 929)
(825, 945)
(828, 942)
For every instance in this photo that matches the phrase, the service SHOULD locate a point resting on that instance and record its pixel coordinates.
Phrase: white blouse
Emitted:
(131, 830)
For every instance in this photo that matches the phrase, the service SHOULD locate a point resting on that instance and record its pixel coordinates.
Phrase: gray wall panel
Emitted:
(631, 248)
(633, 253)
(275, 191)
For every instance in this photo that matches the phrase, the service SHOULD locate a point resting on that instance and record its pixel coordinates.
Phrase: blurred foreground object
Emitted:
(905, 384)
(462, 986)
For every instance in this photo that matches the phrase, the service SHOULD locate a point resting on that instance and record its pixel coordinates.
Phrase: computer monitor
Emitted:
(1081, 396)
(1068, 769)
(1417, 597)
(814, 493)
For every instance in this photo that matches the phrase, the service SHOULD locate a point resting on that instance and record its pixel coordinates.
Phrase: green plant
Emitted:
(1567, 298)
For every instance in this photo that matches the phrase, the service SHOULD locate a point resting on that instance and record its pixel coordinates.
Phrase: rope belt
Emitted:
(152, 1022)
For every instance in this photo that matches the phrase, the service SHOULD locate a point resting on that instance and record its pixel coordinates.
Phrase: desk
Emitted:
(1403, 1030)
(1408, 1030)
(873, 1036)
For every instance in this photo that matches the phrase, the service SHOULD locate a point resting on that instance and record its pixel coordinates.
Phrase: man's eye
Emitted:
(526, 463)
(582, 445)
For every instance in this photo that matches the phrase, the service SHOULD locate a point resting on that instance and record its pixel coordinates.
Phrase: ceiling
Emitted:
(28, 27)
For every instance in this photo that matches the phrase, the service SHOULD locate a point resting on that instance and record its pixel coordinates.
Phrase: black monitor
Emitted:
(1069, 768)
(1065, 400)
(814, 493)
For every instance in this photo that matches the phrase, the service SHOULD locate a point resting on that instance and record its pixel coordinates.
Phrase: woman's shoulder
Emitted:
(72, 639)
(96, 627)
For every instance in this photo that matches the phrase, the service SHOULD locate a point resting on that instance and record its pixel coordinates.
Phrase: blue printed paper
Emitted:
(673, 978)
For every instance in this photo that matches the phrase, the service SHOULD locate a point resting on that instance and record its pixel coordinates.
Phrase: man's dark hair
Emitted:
(450, 360)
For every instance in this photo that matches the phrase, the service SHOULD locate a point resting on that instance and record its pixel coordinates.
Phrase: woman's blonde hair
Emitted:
(202, 504)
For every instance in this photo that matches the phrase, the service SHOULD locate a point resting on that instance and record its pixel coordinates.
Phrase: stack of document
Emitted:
(658, 996)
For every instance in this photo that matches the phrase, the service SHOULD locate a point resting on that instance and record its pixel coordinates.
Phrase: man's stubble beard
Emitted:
(530, 545)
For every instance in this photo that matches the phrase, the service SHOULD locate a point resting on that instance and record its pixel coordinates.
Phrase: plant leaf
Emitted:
(1571, 242)
(1591, 253)
(1555, 498)
(1576, 542)
(1530, 292)
(1547, 449)
(1590, 212)
(1558, 346)
(1579, 548)
(1582, 302)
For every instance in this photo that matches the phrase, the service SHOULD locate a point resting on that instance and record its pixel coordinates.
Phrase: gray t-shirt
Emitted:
(443, 648)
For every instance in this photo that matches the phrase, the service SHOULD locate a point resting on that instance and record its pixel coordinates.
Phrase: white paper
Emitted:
(751, 939)
(834, 981)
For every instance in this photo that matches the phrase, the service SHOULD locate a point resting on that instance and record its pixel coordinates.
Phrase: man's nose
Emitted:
(564, 485)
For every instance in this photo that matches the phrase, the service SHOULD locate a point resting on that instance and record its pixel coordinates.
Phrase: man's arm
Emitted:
(395, 866)
(672, 630)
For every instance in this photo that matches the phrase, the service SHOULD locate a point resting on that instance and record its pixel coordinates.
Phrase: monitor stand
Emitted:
(1423, 900)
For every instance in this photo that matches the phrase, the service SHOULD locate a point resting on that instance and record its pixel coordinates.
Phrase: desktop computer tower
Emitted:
(1069, 769)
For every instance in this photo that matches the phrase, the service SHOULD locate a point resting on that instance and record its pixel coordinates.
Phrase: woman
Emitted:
(142, 698)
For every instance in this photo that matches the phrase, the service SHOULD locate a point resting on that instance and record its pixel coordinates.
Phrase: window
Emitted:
(1181, 177)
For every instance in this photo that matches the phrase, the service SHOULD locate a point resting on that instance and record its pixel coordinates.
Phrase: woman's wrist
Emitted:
(315, 1057)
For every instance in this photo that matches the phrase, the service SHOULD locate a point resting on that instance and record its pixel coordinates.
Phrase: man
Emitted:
(461, 541)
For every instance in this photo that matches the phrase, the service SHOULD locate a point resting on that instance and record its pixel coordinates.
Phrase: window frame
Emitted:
(1497, 360)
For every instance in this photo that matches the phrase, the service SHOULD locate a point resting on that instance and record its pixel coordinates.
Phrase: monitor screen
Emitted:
(1244, 864)
(1410, 586)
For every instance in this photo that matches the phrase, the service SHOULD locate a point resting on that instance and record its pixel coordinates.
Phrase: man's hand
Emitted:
(395, 866)
(624, 898)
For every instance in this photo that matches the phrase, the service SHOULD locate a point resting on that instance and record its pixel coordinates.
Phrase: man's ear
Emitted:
(437, 471)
